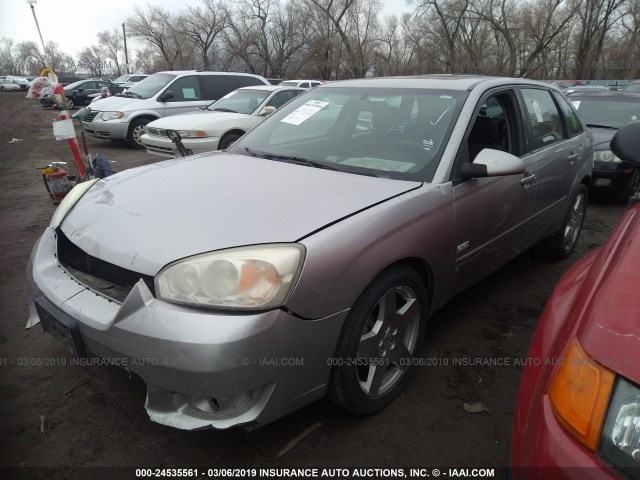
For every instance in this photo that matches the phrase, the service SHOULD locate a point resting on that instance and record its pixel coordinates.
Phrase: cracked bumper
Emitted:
(202, 368)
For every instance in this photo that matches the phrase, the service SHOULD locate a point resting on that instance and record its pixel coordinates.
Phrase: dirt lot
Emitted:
(61, 416)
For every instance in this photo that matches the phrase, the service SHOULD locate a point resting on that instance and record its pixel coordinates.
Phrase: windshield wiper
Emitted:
(129, 94)
(595, 125)
(222, 109)
(290, 159)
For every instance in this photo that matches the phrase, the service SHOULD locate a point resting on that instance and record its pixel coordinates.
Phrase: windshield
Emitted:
(148, 87)
(240, 101)
(608, 111)
(384, 132)
(633, 87)
(122, 78)
(289, 83)
(73, 85)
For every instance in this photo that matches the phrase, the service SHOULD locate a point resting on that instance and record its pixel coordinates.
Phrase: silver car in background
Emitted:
(305, 261)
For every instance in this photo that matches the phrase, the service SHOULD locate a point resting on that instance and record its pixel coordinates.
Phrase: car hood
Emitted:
(144, 218)
(610, 324)
(199, 119)
(114, 103)
(602, 138)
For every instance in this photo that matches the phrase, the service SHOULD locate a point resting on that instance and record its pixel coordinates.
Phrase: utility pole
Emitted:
(126, 55)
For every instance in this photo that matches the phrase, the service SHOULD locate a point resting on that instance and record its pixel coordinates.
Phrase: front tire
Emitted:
(379, 339)
(228, 140)
(562, 244)
(71, 103)
(136, 129)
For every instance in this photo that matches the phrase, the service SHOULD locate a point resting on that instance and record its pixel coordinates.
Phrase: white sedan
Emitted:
(221, 123)
(6, 86)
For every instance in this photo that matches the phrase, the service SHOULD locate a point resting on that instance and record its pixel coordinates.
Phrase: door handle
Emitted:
(526, 181)
(573, 157)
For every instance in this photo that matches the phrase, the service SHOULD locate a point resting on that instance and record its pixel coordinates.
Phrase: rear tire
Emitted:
(136, 129)
(380, 338)
(562, 244)
(71, 103)
(228, 140)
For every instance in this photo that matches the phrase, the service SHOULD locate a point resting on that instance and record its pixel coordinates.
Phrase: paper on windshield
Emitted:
(304, 112)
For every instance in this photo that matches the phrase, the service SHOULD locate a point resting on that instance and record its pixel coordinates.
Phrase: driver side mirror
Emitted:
(492, 163)
(266, 111)
(168, 95)
(625, 144)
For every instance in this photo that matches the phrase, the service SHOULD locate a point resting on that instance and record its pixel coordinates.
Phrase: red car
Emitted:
(579, 398)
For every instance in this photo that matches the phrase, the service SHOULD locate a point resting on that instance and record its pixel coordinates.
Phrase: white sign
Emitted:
(304, 112)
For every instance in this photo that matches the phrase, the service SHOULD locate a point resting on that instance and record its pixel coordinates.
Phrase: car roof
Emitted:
(270, 88)
(436, 81)
(607, 94)
(183, 72)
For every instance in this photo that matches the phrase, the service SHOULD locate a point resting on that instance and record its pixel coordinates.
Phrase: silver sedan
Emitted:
(306, 259)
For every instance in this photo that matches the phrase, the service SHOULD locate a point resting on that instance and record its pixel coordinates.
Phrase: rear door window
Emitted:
(217, 86)
(247, 81)
(185, 89)
(574, 127)
(545, 121)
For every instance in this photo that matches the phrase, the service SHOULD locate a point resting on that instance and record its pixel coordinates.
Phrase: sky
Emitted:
(73, 24)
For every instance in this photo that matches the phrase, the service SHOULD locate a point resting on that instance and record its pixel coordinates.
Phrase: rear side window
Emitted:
(217, 86)
(281, 98)
(545, 122)
(185, 89)
(574, 126)
(248, 81)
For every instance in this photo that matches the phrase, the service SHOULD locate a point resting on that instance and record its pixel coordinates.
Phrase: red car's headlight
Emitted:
(620, 441)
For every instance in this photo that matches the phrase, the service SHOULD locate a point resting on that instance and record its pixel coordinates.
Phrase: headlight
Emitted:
(256, 277)
(579, 393)
(192, 133)
(620, 442)
(69, 201)
(605, 156)
(111, 115)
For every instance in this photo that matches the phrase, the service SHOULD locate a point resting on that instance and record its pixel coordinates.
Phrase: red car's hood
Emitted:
(610, 323)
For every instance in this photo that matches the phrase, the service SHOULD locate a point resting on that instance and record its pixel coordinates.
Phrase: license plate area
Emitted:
(60, 326)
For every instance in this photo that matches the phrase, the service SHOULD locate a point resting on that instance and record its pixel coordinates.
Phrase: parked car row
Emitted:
(125, 115)
(330, 232)
(219, 124)
(330, 227)
(8, 86)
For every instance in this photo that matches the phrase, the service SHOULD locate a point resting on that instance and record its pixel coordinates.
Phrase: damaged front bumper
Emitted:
(202, 368)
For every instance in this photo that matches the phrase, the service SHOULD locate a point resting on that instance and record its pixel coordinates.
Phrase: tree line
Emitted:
(337, 39)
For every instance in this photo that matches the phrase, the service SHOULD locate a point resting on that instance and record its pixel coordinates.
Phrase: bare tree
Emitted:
(91, 59)
(358, 27)
(202, 25)
(160, 28)
(596, 18)
(543, 22)
(111, 44)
